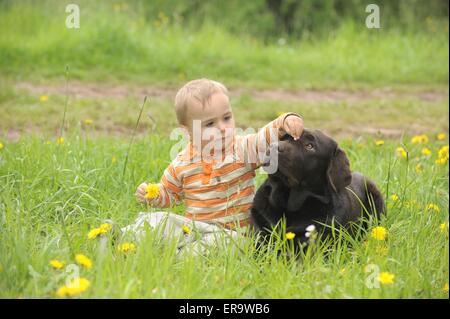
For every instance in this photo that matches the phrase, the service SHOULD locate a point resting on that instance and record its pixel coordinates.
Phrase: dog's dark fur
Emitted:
(313, 185)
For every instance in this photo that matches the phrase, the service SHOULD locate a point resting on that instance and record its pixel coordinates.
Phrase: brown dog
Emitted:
(313, 186)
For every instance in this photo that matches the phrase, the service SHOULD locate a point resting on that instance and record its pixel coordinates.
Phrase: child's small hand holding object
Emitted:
(293, 125)
(146, 192)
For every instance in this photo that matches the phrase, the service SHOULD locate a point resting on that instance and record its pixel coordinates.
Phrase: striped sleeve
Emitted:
(170, 189)
(255, 145)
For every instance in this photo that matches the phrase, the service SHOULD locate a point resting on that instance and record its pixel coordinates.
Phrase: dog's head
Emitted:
(311, 161)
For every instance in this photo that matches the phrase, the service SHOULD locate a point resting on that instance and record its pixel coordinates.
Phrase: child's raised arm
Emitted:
(255, 144)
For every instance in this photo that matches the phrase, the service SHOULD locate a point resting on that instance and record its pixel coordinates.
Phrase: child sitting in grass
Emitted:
(214, 174)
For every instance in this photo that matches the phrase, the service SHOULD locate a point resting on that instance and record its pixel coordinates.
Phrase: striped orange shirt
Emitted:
(219, 192)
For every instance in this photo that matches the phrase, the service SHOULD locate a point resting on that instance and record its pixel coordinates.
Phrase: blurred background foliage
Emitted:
(261, 42)
(294, 18)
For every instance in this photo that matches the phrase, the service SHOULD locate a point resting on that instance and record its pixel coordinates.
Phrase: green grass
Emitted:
(52, 195)
(385, 116)
(128, 46)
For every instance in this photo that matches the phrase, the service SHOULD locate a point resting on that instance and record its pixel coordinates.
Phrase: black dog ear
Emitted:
(339, 174)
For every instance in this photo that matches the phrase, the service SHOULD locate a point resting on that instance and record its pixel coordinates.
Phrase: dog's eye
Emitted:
(309, 146)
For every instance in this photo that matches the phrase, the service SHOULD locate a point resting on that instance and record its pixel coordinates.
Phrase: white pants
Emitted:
(194, 236)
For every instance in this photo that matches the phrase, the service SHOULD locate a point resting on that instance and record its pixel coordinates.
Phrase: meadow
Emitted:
(383, 94)
(54, 194)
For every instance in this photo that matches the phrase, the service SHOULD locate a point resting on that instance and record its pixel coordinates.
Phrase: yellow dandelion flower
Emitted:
(443, 227)
(419, 168)
(126, 247)
(443, 151)
(56, 264)
(401, 152)
(394, 197)
(379, 142)
(74, 287)
(152, 191)
(43, 98)
(441, 136)
(379, 233)
(445, 288)
(1, 145)
(443, 155)
(290, 235)
(62, 292)
(186, 229)
(386, 278)
(93, 233)
(420, 139)
(60, 140)
(88, 121)
(83, 260)
(434, 207)
(113, 159)
(343, 271)
(80, 283)
(426, 151)
(105, 228)
(441, 161)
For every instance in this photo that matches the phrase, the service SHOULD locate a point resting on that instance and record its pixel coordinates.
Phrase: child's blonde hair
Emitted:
(200, 89)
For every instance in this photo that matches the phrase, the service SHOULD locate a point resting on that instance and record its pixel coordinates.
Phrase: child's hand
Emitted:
(140, 193)
(145, 193)
(293, 125)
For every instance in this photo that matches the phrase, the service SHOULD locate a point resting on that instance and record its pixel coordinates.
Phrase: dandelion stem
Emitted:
(132, 137)
(66, 102)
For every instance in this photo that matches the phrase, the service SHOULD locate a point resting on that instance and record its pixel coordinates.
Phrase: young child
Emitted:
(214, 175)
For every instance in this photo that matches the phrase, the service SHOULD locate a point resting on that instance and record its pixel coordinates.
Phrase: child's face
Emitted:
(215, 120)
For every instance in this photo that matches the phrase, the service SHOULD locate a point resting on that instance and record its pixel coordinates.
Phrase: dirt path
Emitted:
(87, 90)
(337, 125)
